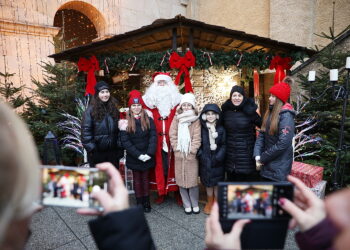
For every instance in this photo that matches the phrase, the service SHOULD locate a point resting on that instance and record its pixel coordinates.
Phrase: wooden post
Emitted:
(190, 40)
(174, 43)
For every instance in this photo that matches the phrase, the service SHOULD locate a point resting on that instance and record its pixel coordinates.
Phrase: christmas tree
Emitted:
(325, 103)
(57, 93)
(9, 93)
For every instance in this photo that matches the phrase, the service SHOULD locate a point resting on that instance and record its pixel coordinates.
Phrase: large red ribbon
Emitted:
(89, 65)
(183, 63)
(280, 64)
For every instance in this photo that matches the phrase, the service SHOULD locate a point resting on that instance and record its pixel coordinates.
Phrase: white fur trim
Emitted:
(122, 124)
(214, 135)
(149, 113)
(163, 77)
(204, 117)
(213, 146)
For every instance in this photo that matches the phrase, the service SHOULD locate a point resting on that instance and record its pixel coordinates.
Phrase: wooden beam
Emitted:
(174, 36)
(190, 40)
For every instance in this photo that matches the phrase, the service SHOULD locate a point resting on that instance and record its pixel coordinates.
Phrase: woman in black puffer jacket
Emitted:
(211, 154)
(99, 129)
(240, 119)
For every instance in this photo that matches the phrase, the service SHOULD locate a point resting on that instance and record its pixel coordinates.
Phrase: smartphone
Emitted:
(72, 186)
(257, 201)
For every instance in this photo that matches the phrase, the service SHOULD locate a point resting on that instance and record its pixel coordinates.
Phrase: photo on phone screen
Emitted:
(71, 187)
(249, 201)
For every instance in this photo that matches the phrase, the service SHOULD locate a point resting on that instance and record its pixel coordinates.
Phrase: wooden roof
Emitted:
(164, 34)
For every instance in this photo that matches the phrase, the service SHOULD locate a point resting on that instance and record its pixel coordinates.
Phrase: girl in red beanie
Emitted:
(273, 149)
(139, 138)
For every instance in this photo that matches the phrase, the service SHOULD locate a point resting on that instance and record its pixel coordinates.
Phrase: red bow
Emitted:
(280, 64)
(183, 63)
(89, 65)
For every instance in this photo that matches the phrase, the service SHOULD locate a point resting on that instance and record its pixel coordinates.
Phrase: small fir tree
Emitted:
(10, 93)
(326, 106)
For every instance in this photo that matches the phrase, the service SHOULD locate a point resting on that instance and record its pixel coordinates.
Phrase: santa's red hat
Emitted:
(157, 76)
(135, 97)
(281, 90)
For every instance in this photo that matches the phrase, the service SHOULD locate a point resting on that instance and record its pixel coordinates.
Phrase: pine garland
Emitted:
(159, 61)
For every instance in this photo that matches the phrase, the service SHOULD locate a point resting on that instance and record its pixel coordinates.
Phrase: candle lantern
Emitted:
(51, 153)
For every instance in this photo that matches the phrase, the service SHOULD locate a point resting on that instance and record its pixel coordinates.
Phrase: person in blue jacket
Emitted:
(211, 154)
(273, 149)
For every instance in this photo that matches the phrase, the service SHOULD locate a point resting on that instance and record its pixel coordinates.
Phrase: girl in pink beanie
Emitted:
(273, 149)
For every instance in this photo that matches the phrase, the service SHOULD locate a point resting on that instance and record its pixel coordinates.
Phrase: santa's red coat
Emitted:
(157, 180)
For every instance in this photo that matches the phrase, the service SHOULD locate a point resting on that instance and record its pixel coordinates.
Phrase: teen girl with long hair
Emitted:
(273, 150)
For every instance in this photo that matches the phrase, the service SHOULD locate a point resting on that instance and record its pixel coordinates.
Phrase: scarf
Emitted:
(183, 133)
(212, 134)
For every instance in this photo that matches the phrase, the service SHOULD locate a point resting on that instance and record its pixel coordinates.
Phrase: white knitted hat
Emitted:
(189, 98)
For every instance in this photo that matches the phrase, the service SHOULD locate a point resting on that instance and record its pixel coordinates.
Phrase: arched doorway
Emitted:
(80, 24)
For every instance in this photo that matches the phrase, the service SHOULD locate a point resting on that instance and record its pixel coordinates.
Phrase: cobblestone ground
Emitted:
(62, 228)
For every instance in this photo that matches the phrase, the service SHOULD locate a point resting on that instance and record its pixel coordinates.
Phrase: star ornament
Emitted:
(285, 131)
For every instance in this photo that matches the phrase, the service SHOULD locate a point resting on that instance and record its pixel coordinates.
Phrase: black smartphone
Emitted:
(72, 186)
(257, 201)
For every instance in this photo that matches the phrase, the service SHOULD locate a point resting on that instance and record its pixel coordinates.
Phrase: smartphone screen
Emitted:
(71, 186)
(249, 201)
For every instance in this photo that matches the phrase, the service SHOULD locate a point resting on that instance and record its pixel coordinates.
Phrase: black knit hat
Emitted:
(101, 86)
(238, 89)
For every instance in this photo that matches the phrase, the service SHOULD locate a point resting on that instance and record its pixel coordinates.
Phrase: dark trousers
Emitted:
(165, 161)
(141, 183)
(243, 177)
(104, 156)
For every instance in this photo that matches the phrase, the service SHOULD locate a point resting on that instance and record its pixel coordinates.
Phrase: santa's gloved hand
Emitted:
(141, 158)
(146, 157)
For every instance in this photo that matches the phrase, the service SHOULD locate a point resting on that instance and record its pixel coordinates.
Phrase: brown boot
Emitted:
(209, 204)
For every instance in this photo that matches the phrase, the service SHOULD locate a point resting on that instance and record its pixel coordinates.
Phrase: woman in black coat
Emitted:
(240, 119)
(99, 129)
(211, 154)
(139, 138)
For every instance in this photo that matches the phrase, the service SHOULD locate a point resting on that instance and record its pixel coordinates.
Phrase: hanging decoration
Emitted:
(132, 60)
(157, 61)
(90, 66)
(280, 65)
(182, 64)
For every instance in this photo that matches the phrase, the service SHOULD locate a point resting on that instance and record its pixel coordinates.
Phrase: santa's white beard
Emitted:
(164, 98)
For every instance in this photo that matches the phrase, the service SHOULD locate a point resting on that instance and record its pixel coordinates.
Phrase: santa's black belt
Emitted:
(162, 118)
(161, 134)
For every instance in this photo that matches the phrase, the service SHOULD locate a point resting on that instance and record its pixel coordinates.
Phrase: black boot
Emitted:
(146, 204)
(139, 201)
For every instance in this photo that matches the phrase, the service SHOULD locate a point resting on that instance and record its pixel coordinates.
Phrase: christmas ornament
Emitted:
(183, 63)
(90, 66)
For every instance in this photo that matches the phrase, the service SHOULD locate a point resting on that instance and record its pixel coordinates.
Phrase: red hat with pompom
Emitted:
(281, 90)
(135, 97)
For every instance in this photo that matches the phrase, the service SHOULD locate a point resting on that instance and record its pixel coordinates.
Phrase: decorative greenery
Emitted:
(10, 93)
(327, 111)
(159, 61)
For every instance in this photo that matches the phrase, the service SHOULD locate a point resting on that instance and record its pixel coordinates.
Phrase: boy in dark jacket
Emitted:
(139, 138)
(211, 154)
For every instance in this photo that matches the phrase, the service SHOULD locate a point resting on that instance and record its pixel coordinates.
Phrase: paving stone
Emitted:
(74, 245)
(49, 231)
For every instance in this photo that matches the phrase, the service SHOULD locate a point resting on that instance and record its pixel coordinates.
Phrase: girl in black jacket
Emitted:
(139, 138)
(99, 129)
(273, 149)
(211, 154)
(240, 119)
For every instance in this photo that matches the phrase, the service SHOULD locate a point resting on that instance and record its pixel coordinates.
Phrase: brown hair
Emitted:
(145, 124)
(100, 109)
(274, 117)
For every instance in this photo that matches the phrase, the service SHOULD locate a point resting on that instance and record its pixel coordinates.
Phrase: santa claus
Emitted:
(162, 98)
